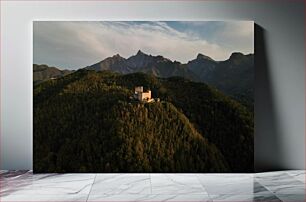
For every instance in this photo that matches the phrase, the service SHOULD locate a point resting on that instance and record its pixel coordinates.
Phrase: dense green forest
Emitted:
(86, 122)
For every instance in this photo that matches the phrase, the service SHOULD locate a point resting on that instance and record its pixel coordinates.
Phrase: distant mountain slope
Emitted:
(115, 63)
(44, 72)
(234, 77)
(85, 122)
(202, 66)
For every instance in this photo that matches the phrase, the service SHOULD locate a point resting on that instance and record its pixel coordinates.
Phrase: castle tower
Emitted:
(138, 89)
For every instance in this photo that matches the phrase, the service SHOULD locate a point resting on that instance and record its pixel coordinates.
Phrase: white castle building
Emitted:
(142, 96)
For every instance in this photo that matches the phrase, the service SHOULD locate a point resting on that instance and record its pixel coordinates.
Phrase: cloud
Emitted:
(237, 36)
(75, 45)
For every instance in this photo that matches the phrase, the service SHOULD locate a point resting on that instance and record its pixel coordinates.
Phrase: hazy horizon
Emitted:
(74, 44)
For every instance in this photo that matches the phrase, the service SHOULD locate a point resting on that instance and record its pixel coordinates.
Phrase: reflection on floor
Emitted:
(271, 186)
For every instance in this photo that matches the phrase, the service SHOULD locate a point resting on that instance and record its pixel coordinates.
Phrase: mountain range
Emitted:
(234, 76)
(141, 62)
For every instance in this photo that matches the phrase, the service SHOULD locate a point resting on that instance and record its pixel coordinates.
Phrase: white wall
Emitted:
(280, 96)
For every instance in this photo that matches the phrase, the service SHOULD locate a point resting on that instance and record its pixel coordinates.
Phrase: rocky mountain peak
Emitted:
(201, 56)
(236, 55)
(117, 56)
(139, 52)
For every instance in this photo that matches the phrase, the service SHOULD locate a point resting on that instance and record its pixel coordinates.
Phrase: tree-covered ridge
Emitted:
(86, 122)
(43, 72)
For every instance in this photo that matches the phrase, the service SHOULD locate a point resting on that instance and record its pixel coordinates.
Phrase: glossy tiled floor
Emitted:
(272, 186)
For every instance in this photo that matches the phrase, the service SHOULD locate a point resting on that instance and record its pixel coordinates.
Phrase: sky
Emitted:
(77, 44)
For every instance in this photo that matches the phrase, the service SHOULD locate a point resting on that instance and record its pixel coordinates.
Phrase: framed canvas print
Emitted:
(143, 96)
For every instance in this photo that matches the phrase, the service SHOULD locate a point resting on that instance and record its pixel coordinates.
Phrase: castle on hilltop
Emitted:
(142, 96)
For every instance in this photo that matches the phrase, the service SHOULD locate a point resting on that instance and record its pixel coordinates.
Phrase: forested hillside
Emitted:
(86, 122)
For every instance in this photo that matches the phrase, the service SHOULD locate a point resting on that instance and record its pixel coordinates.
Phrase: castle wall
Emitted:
(146, 95)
